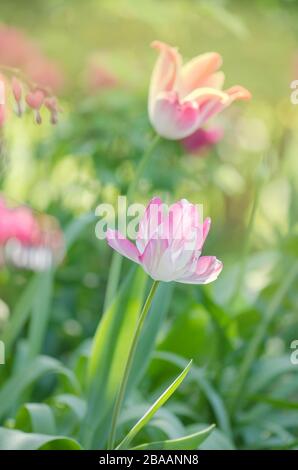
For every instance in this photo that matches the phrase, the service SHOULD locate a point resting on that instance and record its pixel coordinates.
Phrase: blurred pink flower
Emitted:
(99, 77)
(183, 97)
(202, 140)
(2, 101)
(28, 69)
(16, 89)
(169, 245)
(52, 105)
(18, 223)
(34, 100)
(18, 51)
(28, 240)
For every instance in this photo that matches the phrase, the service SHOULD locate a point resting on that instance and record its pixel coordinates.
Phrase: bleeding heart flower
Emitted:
(52, 105)
(17, 93)
(2, 102)
(169, 245)
(35, 100)
(183, 97)
(16, 89)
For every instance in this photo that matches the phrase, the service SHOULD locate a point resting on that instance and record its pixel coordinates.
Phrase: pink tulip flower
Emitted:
(169, 245)
(183, 97)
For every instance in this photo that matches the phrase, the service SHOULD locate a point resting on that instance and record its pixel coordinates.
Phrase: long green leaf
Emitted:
(75, 404)
(154, 408)
(256, 341)
(75, 228)
(265, 371)
(26, 301)
(37, 418)
(109, 351)
(40, 313)
(191, 442)
(18, 440)
(209, 391)
(11, 392)
(20, 313)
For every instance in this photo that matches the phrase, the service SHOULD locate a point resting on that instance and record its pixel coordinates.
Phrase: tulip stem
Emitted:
(141, 167)
(122, 389)
(115, 270)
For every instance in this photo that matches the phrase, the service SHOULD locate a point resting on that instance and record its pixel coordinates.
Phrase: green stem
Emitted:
(114, 273)
(141, 167)
(260, 333)
(130, 358)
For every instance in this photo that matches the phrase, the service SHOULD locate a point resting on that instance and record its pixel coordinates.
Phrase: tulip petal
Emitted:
(207, 270)
(172, 119)
(206, 228)
(216, 80)
(214, 106)
(195, 73)
(205, 93)
(119, 243)
(151, 259)
(149, 224)
(180, 224)
(165, 72)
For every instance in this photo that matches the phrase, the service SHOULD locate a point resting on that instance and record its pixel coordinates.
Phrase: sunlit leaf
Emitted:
(37, 418)
(154, 408)
(12, 390)
(18, 440)
(190, 442)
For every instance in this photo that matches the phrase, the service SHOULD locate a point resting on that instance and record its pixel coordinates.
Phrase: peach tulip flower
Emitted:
(183, 97)
(169, 244)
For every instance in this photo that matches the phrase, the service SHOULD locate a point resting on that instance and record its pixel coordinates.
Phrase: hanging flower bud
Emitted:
(2, 102)
(52, 105)
(35, 100)
(17, 93)
(2, 114)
